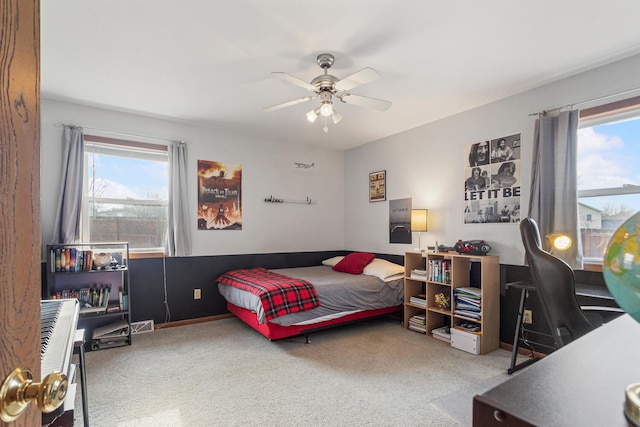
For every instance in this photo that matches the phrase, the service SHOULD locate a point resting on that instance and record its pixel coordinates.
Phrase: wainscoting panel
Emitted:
(177, 277)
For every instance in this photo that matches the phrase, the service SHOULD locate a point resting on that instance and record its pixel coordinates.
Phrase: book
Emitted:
(419, 274)
(92, 310)
(420, 300)
(443, 333)
(418, 323)
(101, 345)
(112, 330)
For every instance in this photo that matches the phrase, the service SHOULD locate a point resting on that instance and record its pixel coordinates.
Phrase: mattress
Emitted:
(339, 294)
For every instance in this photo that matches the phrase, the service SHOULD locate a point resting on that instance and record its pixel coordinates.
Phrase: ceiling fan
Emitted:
(327, 87)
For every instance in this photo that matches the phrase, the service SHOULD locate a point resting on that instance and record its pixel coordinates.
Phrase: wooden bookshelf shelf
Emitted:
(446, 272)
(97, 274)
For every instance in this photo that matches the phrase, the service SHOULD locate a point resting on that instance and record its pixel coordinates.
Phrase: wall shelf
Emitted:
(272, 199)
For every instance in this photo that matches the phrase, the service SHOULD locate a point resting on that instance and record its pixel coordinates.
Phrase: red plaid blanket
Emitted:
(279, 294)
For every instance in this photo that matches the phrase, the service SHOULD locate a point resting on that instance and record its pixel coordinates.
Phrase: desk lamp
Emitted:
(560, 242)
(419, 219)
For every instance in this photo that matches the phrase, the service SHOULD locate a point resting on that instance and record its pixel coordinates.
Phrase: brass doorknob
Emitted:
(18, 389)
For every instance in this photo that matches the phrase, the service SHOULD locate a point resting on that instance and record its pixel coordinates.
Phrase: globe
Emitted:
(621, 266)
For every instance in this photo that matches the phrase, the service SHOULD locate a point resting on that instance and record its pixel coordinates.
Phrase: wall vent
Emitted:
(141, 327)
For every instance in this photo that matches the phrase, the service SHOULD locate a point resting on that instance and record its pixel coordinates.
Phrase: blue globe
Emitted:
(621, 266)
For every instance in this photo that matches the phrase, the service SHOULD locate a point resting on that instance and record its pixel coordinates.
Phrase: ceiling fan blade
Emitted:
(294, 80)
(365, 101)
(359, 78)
(289, 103)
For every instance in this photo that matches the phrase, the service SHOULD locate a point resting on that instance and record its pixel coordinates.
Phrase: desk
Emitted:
(581, 384)
(524, 287)
(591, 291)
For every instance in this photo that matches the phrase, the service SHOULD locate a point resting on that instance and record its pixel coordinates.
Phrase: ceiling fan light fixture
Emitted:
(312, 116)
(325, 87)
(326, 109)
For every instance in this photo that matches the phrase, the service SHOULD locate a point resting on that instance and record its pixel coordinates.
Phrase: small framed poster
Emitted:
(377, 186)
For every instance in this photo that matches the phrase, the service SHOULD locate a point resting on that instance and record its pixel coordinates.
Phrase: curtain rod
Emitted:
(586, 101)
(60, 124)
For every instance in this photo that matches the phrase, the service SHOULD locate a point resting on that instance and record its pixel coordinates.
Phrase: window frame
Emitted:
(603, 114)
(139, 150)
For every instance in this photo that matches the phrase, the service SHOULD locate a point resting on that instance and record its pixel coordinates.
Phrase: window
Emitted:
(608, 172)
(126, 193)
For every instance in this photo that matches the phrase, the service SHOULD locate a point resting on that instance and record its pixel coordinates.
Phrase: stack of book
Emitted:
(419, 274)
(112, 335)
(419, 300)
(440, 270)
(418, 323)
(71, 259)
(469, 327)
(468, 303)
(443, 333)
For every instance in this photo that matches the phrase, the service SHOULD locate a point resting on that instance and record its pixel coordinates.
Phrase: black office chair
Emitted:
(555, 285)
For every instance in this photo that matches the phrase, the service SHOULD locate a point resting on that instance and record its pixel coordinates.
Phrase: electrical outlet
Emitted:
(527, 317)
(196, 294)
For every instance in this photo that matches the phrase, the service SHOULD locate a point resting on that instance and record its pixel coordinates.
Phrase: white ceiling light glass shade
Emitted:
(312, 115)
(326, 109)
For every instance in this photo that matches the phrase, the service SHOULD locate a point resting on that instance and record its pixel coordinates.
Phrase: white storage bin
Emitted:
(466, 341)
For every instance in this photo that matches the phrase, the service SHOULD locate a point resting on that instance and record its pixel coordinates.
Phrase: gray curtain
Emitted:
(68, 220)
(553, 199)
(179, 234)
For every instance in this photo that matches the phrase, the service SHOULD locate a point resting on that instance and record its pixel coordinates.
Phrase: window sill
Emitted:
(592, 266)
(145, 254)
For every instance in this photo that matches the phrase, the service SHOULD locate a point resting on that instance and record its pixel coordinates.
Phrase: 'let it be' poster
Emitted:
(492, 181)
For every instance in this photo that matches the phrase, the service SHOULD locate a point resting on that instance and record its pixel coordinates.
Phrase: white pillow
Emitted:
(393, 277)
(384, 270)
(332, 261)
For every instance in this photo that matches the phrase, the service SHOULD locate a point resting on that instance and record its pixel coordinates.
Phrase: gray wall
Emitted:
(267, 169)
(426, 164)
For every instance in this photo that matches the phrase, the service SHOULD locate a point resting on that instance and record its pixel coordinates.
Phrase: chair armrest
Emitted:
(601, 308)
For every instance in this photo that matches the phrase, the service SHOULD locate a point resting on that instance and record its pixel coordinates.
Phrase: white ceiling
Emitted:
(209, 62)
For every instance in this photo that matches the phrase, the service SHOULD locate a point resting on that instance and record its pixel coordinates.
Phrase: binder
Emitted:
(112, 330)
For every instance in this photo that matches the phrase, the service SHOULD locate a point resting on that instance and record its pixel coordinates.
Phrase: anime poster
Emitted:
(400, 221)
(219, 196)
(492, 181)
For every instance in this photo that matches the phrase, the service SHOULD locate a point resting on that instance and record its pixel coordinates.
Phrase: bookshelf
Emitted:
(97, 274)
(437, 278)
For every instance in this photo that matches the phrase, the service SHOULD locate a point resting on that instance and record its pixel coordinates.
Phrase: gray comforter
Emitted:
(338, 293)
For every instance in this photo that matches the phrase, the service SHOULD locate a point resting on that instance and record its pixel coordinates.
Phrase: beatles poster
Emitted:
(219, 196)
(492, 181)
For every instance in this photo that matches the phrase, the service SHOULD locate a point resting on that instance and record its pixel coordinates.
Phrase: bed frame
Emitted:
(273, 331)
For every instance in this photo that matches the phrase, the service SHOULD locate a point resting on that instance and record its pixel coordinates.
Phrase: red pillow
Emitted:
(354, 263)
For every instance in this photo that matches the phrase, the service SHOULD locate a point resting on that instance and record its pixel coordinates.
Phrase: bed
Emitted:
(335, 295)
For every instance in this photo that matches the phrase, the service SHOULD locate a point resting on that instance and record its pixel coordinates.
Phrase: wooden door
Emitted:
(20, 239)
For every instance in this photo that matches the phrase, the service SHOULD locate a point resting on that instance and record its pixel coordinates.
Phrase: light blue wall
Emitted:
(426, 164)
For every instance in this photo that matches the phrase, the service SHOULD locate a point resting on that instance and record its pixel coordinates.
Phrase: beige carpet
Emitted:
(223, 373)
